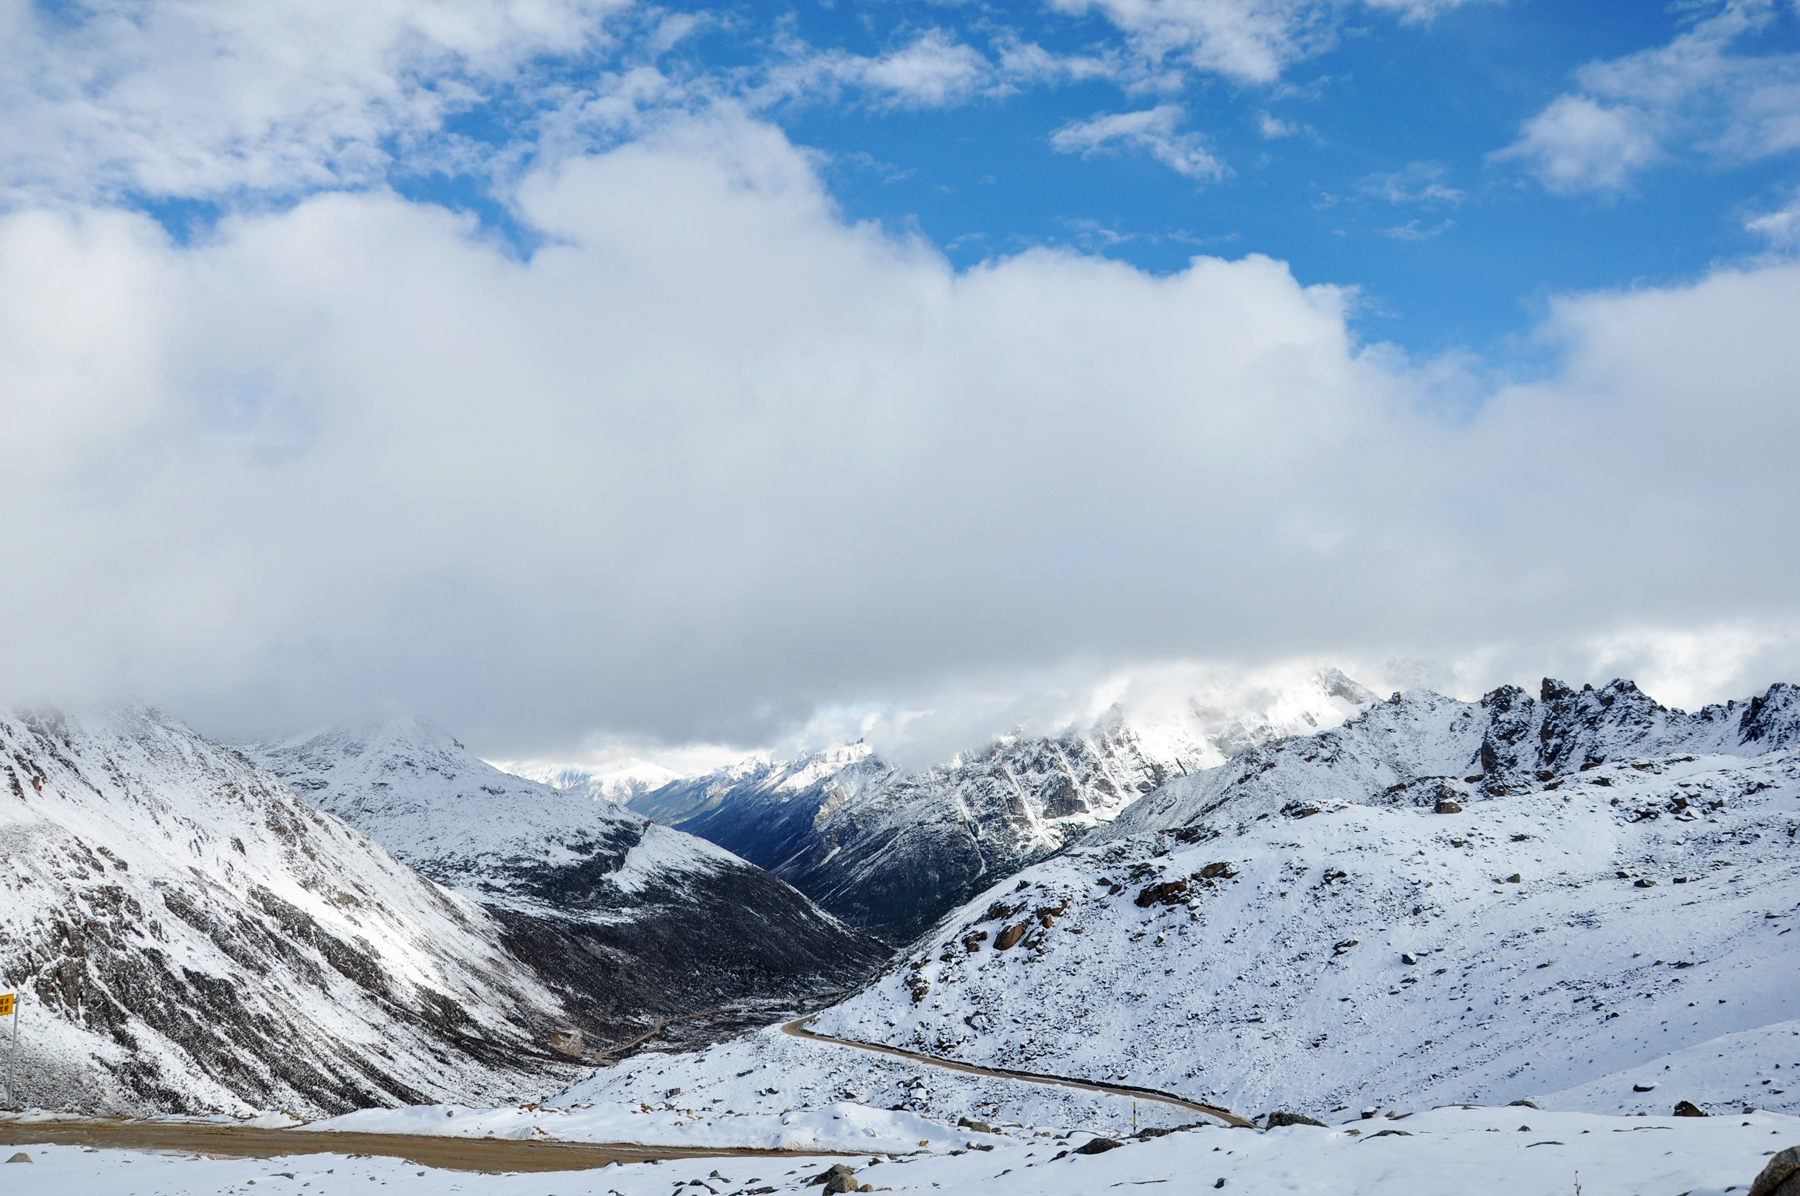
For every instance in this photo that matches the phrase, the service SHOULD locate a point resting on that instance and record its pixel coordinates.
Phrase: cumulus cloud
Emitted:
(712, 461)
(1703, 92)
(1152, 130)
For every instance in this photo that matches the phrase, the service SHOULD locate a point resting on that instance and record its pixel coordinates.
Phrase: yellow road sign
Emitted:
(6, 1000)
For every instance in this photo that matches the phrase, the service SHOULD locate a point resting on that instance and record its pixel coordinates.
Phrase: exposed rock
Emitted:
(1341, 947)
(1098, 1146)
(1221, 868)
(1523, 1104)
(838, 1178)
(980, 1127)
(1279, 1119)
(1170, 892)
(1011, 935)
(1446, 806)
(20, 1157)
(1688, 1109)
(1408, 958)
(1781, 1176)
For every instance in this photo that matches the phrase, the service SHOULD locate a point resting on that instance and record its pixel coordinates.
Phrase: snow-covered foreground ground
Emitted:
(1451, 1151)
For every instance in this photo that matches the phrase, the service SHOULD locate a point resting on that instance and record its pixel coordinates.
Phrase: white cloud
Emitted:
(1699, 93)
(1252, 41)
(1152, 130)
(209, 97)
(1412, 230)
(1781, 227)
(931, 71)
(712, 461)
(1418, 10)
(1577, 144)
(1416, 183)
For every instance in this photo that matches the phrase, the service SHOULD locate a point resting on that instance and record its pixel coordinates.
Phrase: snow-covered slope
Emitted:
(1615, 892)
(629, 920)
(192, 936)
(890, 850)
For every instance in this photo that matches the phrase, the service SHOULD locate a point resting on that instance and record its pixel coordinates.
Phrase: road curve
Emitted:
(798, 1029)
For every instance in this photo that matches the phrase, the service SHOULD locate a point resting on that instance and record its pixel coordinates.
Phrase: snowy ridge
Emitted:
(1421, 748)
(419, 792)
(889, 850)
(617, 783)
(1561, 934)
(192, 936)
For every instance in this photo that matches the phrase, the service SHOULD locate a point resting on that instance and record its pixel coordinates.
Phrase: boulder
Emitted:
(1446, 806)
(1010, 936)
(1781, 1177)
(1523, 1104)
(1279, 1119)
(980, 1127)
(21, 1157)
(1098, 1146)
(1688, 1109)
(838, 1179)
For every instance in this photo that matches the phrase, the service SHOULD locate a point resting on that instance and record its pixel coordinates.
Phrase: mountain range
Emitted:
(890, 849)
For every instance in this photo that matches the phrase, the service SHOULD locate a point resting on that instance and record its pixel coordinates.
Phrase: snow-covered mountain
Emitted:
(627, 919)
(192, 936)
(1572, 899)
(890, 849)
(618, 782)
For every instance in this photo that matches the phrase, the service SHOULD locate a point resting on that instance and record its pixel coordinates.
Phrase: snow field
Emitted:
(1443, 1152)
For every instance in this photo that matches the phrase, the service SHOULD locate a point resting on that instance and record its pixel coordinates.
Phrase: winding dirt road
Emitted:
(798, 1029)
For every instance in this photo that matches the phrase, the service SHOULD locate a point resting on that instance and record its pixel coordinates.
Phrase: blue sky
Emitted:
(1367, 159)
(586, 371)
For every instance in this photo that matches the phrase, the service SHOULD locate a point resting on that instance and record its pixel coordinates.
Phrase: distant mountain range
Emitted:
(890, 850)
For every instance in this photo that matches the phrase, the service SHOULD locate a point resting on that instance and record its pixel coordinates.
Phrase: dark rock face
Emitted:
(1098, 1146)
(679, 945)
(1277, 1120)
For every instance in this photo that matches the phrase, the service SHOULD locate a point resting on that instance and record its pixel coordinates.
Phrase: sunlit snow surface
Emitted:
(1468, 1152)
